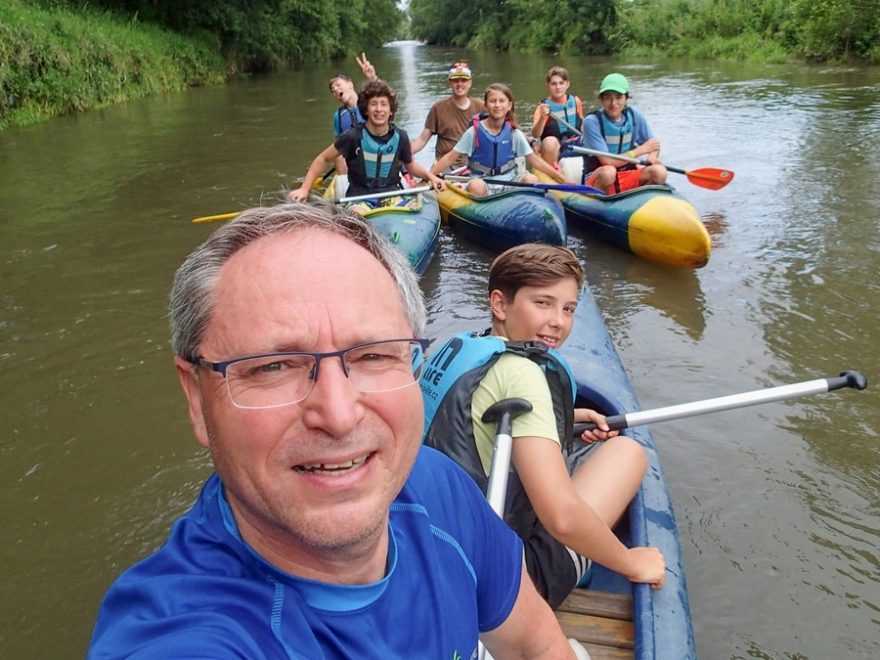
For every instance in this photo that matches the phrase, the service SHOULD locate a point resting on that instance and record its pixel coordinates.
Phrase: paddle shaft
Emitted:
(620, 157)
(502, 412)
(853, 379)
(712, 178)
(228, 216)
(220, 216)
(563, 187)
(390, 193)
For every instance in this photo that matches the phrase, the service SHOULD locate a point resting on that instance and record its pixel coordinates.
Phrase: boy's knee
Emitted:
(656, 174)
(632, 452)
(606, 175)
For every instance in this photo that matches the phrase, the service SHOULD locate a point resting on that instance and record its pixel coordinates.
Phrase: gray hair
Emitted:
(192, 298)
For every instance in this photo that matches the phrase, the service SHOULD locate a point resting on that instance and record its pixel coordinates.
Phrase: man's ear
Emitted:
(188, 377)
(498, 305)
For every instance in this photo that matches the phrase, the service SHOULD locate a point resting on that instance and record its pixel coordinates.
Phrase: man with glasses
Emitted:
(327, 530)
(449, 118)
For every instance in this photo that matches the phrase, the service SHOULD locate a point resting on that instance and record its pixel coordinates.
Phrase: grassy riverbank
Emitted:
(54, 61)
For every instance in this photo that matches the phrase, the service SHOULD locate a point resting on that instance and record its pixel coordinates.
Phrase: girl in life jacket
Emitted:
(492, 145)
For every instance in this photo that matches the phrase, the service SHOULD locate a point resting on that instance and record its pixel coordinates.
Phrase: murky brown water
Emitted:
(778, 505)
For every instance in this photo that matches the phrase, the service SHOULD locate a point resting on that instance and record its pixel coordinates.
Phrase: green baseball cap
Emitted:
(614, 82)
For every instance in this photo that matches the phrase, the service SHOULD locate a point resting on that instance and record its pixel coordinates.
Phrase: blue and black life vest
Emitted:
(345, 118)
(448, 382)
(618, 138)
(376, 166)
(493, 154)
(569, 113)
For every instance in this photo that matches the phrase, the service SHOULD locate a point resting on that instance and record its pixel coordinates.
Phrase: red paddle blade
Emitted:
(713, 178)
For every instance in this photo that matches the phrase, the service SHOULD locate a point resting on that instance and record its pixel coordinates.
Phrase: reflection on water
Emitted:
(716, 225)
(674, 292)
(777, 505)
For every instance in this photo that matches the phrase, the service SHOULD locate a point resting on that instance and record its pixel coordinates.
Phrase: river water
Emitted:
(777, 505)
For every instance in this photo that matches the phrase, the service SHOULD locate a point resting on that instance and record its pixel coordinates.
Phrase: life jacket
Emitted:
(448, 382)
(618, 138)
(344, 118)
(571, 111)
(376, 166)
(493, 154)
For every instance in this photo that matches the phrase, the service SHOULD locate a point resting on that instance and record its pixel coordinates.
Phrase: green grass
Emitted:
(54, 62)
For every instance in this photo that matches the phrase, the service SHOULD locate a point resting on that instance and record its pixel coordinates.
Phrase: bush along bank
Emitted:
(54, 61)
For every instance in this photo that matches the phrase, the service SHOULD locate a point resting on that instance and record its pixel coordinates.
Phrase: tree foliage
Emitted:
(575, 26)
(262, 35)
(741, 29)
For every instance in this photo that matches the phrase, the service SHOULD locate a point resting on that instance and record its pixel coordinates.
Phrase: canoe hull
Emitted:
(501, 221)
(414, 230)
(653, 222)
(662, 619)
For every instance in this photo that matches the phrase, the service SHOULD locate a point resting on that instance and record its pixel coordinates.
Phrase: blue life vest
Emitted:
(618, 139)
(569, 113)
(376, 167)
(344, 118)
(448, 382)
(492, 154)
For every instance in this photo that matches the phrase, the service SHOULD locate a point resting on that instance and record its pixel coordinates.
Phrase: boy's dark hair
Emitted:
(533, 264)
(372, 89)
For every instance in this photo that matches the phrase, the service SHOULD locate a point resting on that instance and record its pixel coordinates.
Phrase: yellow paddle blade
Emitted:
(214, 218)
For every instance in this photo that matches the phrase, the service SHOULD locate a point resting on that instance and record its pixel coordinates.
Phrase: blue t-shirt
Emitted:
(345, 118)
(631, 131)
(454, 569)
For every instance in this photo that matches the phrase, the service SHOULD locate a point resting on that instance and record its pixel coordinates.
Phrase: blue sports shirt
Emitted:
(454, 570)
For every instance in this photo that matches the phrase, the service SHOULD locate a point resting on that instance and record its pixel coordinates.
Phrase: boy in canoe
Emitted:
(564, 496)
(342, 88)
(618, 128)
(374, 152)
(348, 114)
(492, 145)
(556, 138)
(449, 118)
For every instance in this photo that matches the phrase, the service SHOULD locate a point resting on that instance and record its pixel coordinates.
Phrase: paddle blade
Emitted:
(713, 178)
(214, 218)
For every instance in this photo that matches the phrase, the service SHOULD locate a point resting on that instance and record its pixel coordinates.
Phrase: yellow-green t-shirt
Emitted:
(513, 376)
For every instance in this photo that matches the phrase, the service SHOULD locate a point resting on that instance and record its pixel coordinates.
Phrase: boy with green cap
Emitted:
(618, 128)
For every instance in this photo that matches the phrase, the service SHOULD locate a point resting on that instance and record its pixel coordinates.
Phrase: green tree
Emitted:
(262, 35)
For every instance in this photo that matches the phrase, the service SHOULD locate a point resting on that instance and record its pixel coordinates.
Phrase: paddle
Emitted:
(853, 379)
(713, 178)
(317, 183)
(503, 413)
(228, 216)
(221, 216)
(390, 193)
(563, 187)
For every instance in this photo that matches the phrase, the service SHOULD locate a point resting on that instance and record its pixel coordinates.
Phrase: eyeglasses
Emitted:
(282, 379)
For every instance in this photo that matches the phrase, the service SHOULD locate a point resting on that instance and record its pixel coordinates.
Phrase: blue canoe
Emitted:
(661, 620)
(414, 230)
(653, 222)
(509, 218)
